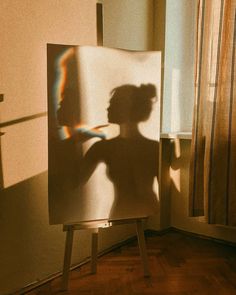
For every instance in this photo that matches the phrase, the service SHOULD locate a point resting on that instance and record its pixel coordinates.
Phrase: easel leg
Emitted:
(142, 248)
(67, 258)
(94, 251)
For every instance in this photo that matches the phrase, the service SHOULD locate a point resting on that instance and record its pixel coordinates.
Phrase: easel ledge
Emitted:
(95, 225)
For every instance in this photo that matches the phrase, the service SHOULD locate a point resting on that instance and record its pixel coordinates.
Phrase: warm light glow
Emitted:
(59, 86)
(175, 176)
(61, 65)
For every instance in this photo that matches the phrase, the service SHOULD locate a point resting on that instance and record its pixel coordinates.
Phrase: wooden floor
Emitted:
(179, 264)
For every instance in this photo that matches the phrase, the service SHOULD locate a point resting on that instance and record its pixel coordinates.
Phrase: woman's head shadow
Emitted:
(130, 104)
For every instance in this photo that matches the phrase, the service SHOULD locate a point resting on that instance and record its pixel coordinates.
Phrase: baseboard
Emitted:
(153, 232)
(149, 233)
(204, 237)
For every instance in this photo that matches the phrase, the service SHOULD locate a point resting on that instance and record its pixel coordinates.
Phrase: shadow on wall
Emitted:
(63, 92)
(131, 159)
(174, 186)
(24, 222)
(1, 172)
(180, 161)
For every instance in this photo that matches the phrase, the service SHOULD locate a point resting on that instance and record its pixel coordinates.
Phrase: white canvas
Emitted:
(120, 160)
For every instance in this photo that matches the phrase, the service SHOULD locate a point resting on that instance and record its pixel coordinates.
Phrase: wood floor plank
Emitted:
(180, 265)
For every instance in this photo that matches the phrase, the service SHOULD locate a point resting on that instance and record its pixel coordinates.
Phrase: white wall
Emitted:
(30, 249)
(179, 61)
(128, 24)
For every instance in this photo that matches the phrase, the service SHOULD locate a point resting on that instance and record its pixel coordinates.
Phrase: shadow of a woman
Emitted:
(131, 159)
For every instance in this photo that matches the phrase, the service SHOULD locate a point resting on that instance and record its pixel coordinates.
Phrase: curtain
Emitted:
(213, 151)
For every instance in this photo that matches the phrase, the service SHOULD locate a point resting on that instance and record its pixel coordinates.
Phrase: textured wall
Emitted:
(30, 249)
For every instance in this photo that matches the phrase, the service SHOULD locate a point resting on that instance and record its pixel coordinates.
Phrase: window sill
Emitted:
(178, 135)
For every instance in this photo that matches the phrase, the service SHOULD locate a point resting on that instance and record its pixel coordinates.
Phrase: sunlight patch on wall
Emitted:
(24, 150)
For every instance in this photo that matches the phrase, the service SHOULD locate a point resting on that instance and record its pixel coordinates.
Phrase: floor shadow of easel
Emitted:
(95, 226)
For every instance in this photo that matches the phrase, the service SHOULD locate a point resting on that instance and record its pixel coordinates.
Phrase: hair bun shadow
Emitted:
(148, 90)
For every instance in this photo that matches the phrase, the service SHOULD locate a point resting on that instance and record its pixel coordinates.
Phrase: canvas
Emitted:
(103, 132)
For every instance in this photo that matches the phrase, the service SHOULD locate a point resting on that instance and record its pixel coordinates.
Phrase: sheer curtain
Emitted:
(213, 161)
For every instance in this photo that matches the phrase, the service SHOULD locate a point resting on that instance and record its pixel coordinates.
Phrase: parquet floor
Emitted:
(180, 265)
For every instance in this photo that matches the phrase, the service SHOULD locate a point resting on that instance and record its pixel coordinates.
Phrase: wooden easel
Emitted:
(95, 225)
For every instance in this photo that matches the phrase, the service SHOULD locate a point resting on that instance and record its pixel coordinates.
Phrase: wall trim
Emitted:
(149, 233)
